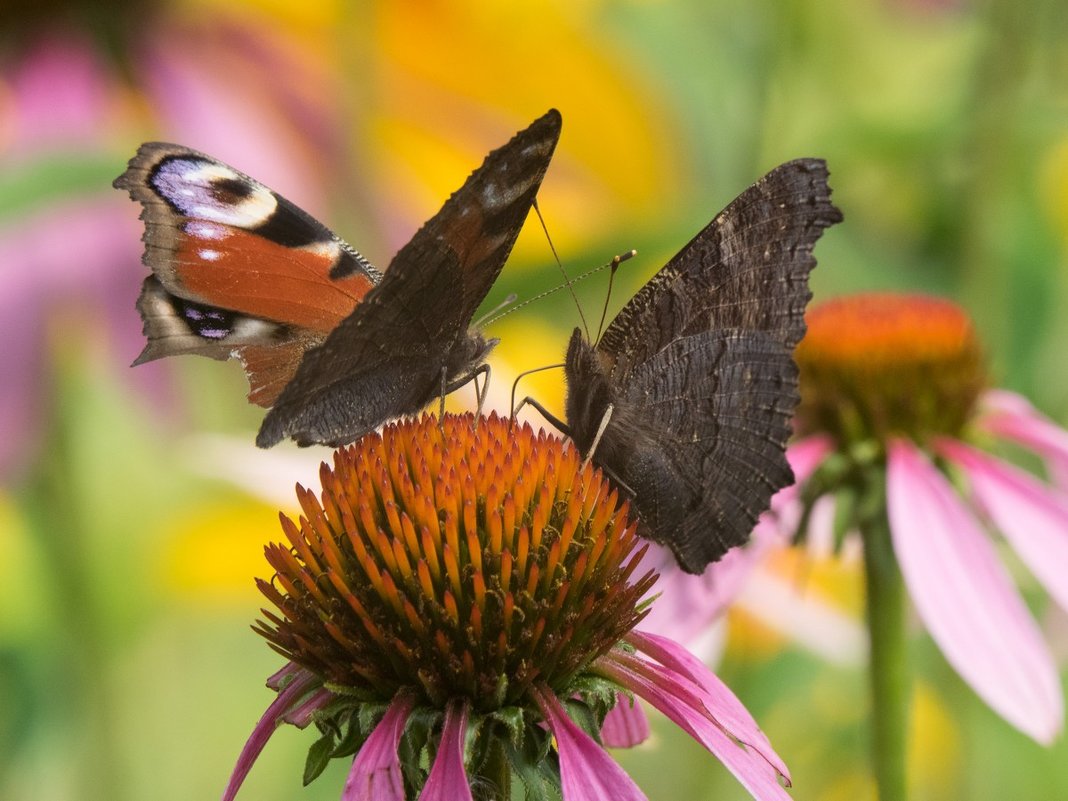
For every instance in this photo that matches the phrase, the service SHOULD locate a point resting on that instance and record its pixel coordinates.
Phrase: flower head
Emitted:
(470, 592)
(896, 405)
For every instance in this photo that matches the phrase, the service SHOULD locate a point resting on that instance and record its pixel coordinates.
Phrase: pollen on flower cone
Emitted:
(455, 561)
(881, 364)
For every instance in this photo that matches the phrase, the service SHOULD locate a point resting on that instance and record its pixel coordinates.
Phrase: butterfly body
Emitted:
(695, 375)
(332, 345)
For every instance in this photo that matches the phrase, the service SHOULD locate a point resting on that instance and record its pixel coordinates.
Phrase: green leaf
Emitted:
(318, 758)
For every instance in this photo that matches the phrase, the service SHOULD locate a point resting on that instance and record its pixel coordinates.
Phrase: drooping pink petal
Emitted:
(689, 605)
(671, 693)
(376, 772)
(302, 682)
(587, 772)
(626, 725)
(276, 679)
(966, 599)
(301, 715)
(722, 704)
(448, 779)
(1033, 517)
(1011, 416)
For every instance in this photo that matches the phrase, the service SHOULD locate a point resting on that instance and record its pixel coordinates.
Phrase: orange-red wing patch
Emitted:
(253, 275)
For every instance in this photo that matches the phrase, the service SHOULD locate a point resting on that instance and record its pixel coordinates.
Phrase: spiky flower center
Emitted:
(455, 560)
(879, 365)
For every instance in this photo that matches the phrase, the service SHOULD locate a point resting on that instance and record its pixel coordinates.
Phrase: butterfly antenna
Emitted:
(545, 294)
(567, 279)
(614, 264)
(481, 322)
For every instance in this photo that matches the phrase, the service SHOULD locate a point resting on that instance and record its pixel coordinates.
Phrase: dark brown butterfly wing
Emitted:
(723, 402)
(388, 357)
(747, 269)
(698, 369)
(237, 270)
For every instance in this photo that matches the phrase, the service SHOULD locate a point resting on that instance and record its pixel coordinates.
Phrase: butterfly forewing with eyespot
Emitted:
(696, 372)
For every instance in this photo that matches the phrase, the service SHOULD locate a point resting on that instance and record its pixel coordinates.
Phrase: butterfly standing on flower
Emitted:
(331, 344)
(687, 399)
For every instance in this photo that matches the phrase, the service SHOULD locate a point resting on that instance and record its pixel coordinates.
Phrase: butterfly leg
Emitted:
(550, 418)
(480, 396)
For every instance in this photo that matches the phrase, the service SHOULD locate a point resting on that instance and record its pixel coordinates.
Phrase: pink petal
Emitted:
(626, 725)
(966, 599)
(689, 605)
(376, 772)
(722, 704)
(806, 454)
(265, 728)
(671, 694)
(587, 773)
(448, 780)
(785, 514)
(1011, 416)
(300, 716)
(1032, 517)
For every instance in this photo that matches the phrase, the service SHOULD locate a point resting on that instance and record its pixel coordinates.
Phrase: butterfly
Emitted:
(686, 400)
(331, 344)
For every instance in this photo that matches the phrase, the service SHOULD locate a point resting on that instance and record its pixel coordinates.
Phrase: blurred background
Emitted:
(133, 507)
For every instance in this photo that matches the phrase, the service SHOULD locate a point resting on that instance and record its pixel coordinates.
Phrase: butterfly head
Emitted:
(468, 354)
(589, 390)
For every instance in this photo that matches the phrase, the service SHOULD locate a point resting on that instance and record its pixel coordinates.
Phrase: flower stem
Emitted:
(889, 680)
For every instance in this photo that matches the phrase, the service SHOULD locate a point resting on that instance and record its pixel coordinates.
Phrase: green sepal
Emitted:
(585, 717)
(514, 722)
(318, 758)
(534, 763)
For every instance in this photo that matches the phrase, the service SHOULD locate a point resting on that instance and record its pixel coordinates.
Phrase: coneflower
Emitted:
(457, 608)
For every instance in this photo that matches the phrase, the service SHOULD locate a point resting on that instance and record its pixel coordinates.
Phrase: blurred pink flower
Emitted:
(895, 383)
(69, 244)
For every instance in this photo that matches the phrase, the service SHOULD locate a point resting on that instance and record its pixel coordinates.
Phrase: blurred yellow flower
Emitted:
(214, 549)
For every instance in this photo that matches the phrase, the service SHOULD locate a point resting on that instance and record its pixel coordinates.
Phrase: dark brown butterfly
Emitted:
(334, 346)
(694, 383)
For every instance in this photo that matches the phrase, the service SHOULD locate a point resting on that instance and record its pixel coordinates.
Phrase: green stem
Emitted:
(494, 779)
(889, 679)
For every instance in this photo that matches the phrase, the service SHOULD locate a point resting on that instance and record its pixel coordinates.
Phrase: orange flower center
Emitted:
(454, 561)
(881, 364)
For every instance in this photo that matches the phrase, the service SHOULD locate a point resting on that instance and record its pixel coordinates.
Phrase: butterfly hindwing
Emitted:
(238, 271)
(696, 371)
(410, 336)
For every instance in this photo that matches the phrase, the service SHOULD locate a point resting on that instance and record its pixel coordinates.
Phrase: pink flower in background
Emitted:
(894, 398)
(69, 244)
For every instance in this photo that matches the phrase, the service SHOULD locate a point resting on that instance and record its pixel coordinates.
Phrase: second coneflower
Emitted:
(458, 607)
(896, 415)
